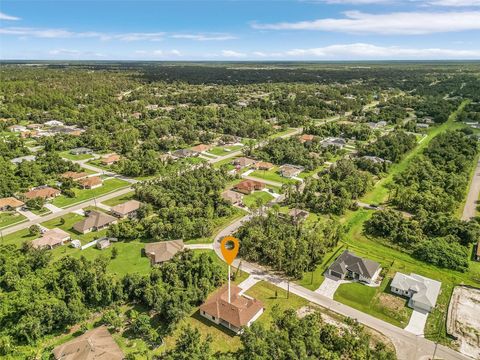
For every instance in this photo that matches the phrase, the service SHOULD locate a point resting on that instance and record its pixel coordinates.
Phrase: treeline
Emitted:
(391, 146)
(435, 107)
(360, 132)
(292, 151)
(186, 206)
(286, 337)
(277, 241)
(334, 191)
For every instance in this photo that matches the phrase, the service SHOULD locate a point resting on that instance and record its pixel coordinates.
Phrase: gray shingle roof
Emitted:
(350, 261)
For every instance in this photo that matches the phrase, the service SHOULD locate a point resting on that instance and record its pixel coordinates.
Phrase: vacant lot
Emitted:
(8, 218)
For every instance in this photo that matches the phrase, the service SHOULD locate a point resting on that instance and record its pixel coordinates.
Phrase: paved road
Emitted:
(408, 345)
(469, 211)
(65, 211)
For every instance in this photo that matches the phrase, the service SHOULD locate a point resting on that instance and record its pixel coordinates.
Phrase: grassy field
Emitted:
(272, 175)
(281, 133)
(41, 212)
(67, 155)
(87, 194)
(119, 199)
(9, 218)
(261, 196)
(224, 150)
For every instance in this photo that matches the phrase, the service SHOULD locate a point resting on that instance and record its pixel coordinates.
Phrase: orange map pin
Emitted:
(229, 247)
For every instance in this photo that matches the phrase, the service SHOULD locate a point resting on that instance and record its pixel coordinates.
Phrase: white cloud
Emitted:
(4, 16)
(412, 23)
(204, 37)
(457, 3)
(232, 54)
(75, 53)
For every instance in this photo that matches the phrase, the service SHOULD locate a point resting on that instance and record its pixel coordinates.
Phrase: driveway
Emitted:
(417, 322)
(329, 285)
(52, 208)
(248, 283)
(469, 211)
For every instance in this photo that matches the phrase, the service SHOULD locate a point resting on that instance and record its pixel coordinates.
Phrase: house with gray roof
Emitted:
(422, 291)
(348, 265)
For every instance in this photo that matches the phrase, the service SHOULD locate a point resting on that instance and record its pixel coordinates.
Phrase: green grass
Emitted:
(99, 164)
(87, 194)
(251, 200)
(41, 212)
(281, 133)
(67, 155)
(17, 237)
(224, 150)
(272, 175)
(119, 199)
(227, 162)
(9, 218)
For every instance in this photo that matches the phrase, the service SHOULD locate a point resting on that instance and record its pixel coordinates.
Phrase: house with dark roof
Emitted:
(81, 151)
(162, 251)
(422, 291)
(184, 153)
(240, 312)
(350, 266)
(93, 344)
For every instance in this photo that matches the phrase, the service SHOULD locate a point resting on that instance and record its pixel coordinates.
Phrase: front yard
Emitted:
(67, 155)
(272, 175)
(9, 218)
(257, 198)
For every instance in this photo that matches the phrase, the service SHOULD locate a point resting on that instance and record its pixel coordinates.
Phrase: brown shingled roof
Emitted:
(44, 193)
(10, 202)
(95, 220)
(163, 251)
(90, 181)
(74, 175)
(127, 207)
(238, 312)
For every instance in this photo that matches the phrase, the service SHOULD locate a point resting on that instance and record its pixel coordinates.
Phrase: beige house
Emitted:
(44, 192)
(162, 251)
(10, 203)
(91, 182)
(110, 159)
(96, 344)
(126, 209)
(263, 165)
(240, 312)
(95, 221)
(243, 162)
(74, 175)
(233, 197)
(51, 238)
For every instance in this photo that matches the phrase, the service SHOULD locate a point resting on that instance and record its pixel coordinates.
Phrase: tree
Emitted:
(34, 230)
(190, 345)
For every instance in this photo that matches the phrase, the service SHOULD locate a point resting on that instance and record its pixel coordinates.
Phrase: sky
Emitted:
(241, 30)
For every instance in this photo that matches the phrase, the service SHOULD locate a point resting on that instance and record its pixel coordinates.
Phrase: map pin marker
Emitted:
(229, 247)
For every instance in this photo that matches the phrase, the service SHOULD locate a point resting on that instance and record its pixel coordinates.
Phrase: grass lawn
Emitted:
(228, 162)
(87, 194)
(99, 164)
(251, 200)
(119, 199)
(67, 155)
(272, 175)
(17, 237)
(9, 218)
(281, 133)
(224, 150)
(41, 212)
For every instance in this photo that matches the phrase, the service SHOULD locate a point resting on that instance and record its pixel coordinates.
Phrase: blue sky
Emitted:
(240, 30)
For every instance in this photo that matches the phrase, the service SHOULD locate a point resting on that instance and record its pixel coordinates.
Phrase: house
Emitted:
(21, 159)
(334, 141)
(51, 238)
(128, 208)
(422, 291)
(242, 162)
(422, 126)
(81, 151)
(248, 186)
(162, 251)
(74, 175)
(93, 344)
(34, 126)
(241, 311)
(477, 252)
(91, 182)
(233, 197)
(290, 171)
(44, 192)
(17, 128)
(298, 214)
(10, 203)
(137, 115)
(348, 265)
(306, 138)
(375, 159)
(103, 243)
(427, 120)
(53, 123)
(110, 159)
(184, 153)
(28, 134)
(201, 148)
(377, 125)
(95, 221)
(262, 165)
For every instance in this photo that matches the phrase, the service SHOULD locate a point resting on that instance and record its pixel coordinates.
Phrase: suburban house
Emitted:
(10, 203)
(128, 208)
(477, 252)
(348, 265)
(74, 175)
(375, 159)
(110, 159)
(93, 344)
(334, 141)
(81, 151)
(243, 162)
(298, 214)
(290, 171)
(201, 148)
(51, 238)
(17, 128)
(377, 125)
(162, 251)
(306, 138)
(21, 159)
(96, 220)
(233, 197)
(103, 243)
(422, 291)
(34, 126)
(44, 192)
(262, 165)
(240, 312)
(184, 153)
(91, 182)
(248, 186)
(53, 123)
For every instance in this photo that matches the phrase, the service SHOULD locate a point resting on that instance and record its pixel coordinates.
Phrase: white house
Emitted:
(422, 291)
